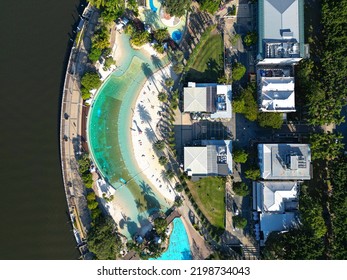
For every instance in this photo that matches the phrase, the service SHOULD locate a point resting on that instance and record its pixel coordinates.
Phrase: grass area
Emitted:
(208, 64)
(208, 194)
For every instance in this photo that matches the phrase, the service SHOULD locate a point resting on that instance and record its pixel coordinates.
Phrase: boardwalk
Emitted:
(72, 131)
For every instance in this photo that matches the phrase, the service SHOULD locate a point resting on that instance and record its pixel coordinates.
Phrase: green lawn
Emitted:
(208, 194)
(208, 64)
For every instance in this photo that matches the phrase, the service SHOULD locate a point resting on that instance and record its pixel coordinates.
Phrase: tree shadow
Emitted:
(139, 205)
(146, 70)
(156, 61)
(145, 188)
(131, 226)
(144, 114)
(150, 135)
(152, 203)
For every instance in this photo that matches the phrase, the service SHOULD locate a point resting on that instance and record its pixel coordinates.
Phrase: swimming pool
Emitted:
(179, 248)
(151, 4)
(176, 35)
(109, 137)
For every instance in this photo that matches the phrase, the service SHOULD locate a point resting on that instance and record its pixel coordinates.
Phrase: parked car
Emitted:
(235, 209)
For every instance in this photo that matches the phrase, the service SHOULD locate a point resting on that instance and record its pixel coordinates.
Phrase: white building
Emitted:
(212, 158)
(281, 46)
(212, 99)
(284, 161)
(275, 206)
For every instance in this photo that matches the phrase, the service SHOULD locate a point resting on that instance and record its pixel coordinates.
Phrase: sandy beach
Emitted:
(144, 132)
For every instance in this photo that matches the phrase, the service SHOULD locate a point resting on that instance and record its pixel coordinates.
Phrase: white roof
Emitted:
(276, 196)
(227, 113)
(195, 160)
(195, 99)
(213, 158)
(277, 94)
(276, 222)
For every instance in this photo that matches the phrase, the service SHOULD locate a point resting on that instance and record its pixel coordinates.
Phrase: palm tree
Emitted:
(163, 160)
(162, 96)
(169, 174)
(159, 145)
(169, 82)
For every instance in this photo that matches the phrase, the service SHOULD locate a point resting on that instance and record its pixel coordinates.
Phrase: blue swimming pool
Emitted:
(151, 4)
(179, 248)
(176, 35)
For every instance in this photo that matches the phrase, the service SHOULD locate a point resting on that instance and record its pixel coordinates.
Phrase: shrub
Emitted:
(250, 39)
(239, 222)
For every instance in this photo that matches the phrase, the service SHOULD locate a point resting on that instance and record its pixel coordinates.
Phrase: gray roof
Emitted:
(280, 20)
(285, 161)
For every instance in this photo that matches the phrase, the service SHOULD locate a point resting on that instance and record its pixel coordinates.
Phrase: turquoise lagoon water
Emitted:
(109, 125)
(179, 248)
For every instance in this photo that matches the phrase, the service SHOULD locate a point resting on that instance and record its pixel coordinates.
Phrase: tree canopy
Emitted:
(139, 38)
(209, 6)
(160, 225)
(240, 155)
(176, 7)
(326, 146)
(103, 240)
(322, 79)
(162, 96)
(252, 174)
(90, 80)
(239, 222)
(269, 119)
(163, 160)
(246, 103)
(161, 34)
(238, 71)
(240, 188)
(169, 82)
(250, 39)
(159, 145)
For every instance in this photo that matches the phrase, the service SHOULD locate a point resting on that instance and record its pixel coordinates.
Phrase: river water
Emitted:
(34, 38)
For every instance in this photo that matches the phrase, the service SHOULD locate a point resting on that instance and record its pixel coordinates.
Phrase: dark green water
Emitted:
(34, 36)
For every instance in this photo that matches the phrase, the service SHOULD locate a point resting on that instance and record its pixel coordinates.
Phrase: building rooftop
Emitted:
(209, 98)
(270, 222)
(281, 28)
(274, 196)
(277, 94)
(276, 206)
(285, 161)
(212, 158)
